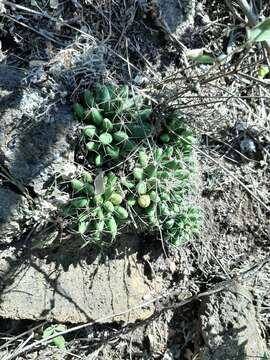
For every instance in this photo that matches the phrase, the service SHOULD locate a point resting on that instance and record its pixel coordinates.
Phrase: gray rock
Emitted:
(11, 215)
(229, 326)
(248, 147)
(30, 142)
(36, 289)
(170, 15)
(33, 145)
(175, 12)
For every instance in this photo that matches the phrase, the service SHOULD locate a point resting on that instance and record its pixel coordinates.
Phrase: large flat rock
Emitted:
(34, 288)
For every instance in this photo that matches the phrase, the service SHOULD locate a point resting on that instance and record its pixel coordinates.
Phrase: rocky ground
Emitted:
(206, 300)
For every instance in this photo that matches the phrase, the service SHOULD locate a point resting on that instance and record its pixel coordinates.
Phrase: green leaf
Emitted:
(48, 332)
(60, 328)
(200, 56)
(204, 59)
(260, 32)
(263, 71)
(59, 341)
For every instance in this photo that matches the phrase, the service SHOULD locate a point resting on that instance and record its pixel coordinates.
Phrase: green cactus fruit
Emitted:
(116, 199)
(169, 224)
(175, 208)
(77, 185)
(113, 152)
(105, 138)
(165, 196)
(89, 189)
(165, 138)
(138, 173)
(164, 210)
(89, 99)
(99, 160)
(108, 206)
(144, 201)
(99, 213)
(120, 212)
(83, 226)
(94, 115)
(100, 225)
(79, 202)
(91, 146)
(141, 188)
(98, 199)
(107, 125)
(143, 158)
(153, 196)
(87, 177)
(111, 226)
(128, 184)
(111, 179)
(79, 111)
(168, 152)
(89, 131)
(103, 97)
(120, 136)
(131, 201)
(158, 153)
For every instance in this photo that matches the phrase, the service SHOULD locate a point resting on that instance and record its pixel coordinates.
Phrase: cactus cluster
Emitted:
(151, 185)
(158, 186)
(96, 212)
(114, 122)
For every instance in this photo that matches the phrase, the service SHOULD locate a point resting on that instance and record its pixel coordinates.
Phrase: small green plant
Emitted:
(152, 171)
(263, 71)
(58, 341)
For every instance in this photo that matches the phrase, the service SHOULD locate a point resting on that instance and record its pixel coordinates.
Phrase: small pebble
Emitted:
(248, 147)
